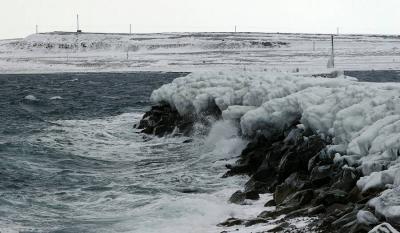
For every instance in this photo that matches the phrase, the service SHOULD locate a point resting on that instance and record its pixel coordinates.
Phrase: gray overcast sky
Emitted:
(18, 17)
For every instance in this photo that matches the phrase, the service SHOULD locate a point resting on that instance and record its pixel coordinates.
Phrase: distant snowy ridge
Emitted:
(193, 52)
(361, 119)
(58, 41)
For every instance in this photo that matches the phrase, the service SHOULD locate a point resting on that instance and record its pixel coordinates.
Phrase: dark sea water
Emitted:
(375, 75)
(71, 161)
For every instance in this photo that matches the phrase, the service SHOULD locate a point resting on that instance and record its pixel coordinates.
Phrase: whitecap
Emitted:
(31, 98)
(56, 98)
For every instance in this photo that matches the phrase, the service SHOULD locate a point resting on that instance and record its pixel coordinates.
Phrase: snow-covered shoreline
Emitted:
(193, 52)
(358, 121)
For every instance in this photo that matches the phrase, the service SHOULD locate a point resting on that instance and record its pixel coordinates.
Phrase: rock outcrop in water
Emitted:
(162, 120)
(298, 168)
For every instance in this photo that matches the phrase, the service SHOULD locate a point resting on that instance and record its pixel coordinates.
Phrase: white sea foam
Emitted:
(160, 168)
(56, 98)
(106, 138)
(224, 139)
(363, 119)
(31, 98)
(198, 213)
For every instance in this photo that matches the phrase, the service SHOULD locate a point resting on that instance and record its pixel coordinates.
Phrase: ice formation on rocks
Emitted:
(361, 118)
(383, 228)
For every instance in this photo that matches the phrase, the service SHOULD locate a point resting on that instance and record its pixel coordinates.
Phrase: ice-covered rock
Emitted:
(383, 228)
(361, 120)
(366, 218)
(364, 118)
(387, 205)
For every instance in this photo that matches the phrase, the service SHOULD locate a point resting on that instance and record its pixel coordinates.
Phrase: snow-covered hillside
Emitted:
(69, 52)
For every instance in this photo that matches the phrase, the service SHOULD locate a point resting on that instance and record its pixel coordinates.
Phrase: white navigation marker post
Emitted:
(37, 29)
(130, 28)
(235, 28)
(337, 31)
(77, 23)
(333, 53)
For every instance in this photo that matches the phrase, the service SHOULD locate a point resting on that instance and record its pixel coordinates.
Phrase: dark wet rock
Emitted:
(188, 141)
(355, 195)
(281, 227)
(268, 214)
(255, 221)
(321, 175)
(236, 170)
(162, 130)
(270, 163)
(231, 222)
(238, 197)
(252, 195)
(297, 156)
(316, 210)
(331, 197)
(338, 210)
(299, 199)
(257, 186)
(297, 213)
(294, 182)
(347, 180)
(346, 221)
(162, 120)
(270, 203)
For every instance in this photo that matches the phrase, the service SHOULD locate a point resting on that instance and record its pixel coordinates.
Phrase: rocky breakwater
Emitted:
(298, 167)
(328, 149)
(300, 170)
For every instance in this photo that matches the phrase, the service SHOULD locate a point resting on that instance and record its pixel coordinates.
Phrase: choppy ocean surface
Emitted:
(71, 161)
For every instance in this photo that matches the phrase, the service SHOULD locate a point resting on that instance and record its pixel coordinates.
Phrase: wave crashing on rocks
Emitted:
(326, 147)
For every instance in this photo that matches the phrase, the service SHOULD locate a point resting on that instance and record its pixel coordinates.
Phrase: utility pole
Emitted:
(331, 61)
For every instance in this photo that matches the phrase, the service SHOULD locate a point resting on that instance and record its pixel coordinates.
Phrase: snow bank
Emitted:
(361, 118)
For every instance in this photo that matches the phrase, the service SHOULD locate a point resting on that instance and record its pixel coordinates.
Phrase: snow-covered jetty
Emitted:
(325, 147)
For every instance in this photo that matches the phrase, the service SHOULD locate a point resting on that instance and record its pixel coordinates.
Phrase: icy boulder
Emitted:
(387, 205)
(366, 218)
(383, 228)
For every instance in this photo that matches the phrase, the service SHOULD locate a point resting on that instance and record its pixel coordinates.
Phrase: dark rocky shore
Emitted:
(294, 165)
